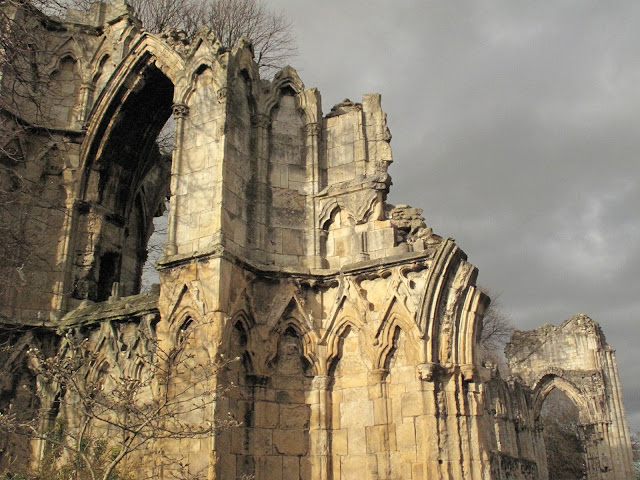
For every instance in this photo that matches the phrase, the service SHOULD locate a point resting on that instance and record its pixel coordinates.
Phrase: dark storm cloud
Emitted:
(515, 126)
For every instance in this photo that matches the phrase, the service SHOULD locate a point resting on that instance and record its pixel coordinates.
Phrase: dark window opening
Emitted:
(109, 273)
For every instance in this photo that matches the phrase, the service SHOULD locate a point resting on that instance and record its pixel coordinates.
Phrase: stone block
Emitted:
(291, 468)
(354, 467)
(417, 470)
(406, 437)
(380, 239)
(339, 442)
(382, 408)
(292, 242)
(261, 441)
(266, 414)
(294, 417)
(240, 441)
(228, 464)
(297, 174)
(357, 439)
(356, 380)
(412, 404)
(291, 442)
(306, 467)
(269, 467)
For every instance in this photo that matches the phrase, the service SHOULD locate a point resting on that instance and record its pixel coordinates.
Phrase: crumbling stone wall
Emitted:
(357, 327)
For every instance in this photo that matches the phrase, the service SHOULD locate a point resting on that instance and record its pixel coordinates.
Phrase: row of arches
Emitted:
(319, 413)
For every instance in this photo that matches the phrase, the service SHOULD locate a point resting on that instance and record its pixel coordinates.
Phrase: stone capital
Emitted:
(180, 110)
(378, 375)
(425, 371)
(321, 382)
(313, 129)
(260, 120)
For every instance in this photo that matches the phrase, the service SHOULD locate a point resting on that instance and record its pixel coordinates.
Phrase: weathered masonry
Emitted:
(357, 326)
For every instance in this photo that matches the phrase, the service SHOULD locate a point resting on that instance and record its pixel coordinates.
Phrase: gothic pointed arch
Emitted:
(334, 341)
(396, 317)
(448, 278)
(187, 297)
(552, 381)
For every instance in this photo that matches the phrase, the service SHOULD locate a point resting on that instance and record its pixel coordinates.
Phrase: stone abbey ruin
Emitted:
(355, 328)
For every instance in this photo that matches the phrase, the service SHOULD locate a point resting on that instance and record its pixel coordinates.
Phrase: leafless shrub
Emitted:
(496, 330)
(271, 32)
(103, 417)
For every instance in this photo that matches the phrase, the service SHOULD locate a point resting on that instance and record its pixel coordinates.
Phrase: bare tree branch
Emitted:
(157, 405)
(496, 329)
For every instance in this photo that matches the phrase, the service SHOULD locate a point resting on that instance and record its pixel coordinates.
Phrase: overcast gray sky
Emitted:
(516, 128)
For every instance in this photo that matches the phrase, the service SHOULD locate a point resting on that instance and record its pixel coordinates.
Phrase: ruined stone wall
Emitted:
(576, 358)
(356, 328)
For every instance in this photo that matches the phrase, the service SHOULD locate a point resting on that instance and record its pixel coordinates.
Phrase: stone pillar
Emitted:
(319, 428)
(620, 439)
(313, 245)
(86, 99)
(427, 437)
(180, 113)
(258, 211)
(381, 438)
(475, 450)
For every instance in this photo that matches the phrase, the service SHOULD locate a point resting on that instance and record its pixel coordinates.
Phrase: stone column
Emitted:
(380, 439)
(319, 428)
(257, 216)
(621, 441)
(180, 113)
(427, 422)
(313, 242)
(86, 99)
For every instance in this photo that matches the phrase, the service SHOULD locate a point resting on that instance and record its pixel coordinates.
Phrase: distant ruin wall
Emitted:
(576, 359)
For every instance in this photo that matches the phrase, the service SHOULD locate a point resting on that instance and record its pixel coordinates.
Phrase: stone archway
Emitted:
(561, 414)
(125, 179)
(576, 359)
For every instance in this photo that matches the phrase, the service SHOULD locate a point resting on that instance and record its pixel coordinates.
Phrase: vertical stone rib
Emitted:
(619, 422)
(313, 243)
(319, 429)
(180, 112)
(379, 394)
(86, 99)
(258, 214)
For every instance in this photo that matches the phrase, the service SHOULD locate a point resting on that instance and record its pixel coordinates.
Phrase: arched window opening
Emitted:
(155, 246)
(133, 180)
(290, 358)
(156, 235)
(108, 274)
(563, 437)
(184, 331)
